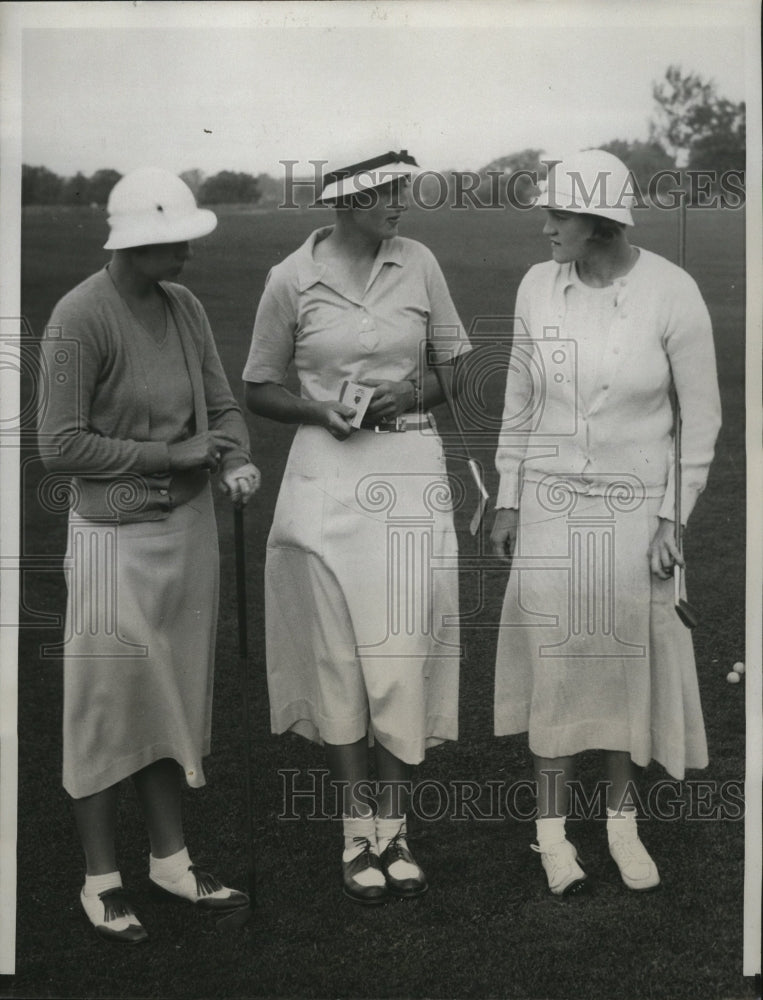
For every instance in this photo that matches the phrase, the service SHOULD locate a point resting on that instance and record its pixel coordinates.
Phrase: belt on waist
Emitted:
(405, 422)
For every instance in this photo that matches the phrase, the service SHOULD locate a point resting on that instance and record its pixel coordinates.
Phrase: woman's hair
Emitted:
(604, 230)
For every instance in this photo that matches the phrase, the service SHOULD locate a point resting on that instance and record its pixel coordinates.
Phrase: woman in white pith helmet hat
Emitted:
(139, 412)
(591, 654)
(361, 581)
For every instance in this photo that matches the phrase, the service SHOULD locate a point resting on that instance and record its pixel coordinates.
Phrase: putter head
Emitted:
(687, 613)
(684, 610)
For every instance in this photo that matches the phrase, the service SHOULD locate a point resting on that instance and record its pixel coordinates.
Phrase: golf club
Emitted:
(684, 610)
(476, 521)
(238, 917)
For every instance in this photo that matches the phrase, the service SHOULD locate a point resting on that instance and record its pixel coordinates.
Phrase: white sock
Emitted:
(364, 829)
(386, 829)
(550, 830)
(170, 869)
(354, 828)
(101, 883)
(621, 822)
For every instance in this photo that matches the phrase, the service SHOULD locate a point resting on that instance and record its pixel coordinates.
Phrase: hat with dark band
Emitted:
(364, 176)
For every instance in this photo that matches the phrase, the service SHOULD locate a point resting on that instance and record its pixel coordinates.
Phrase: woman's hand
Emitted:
(390, 399)
(241, 484)
(503, 537)
(663, 552)
(200, 451)
(335, 417)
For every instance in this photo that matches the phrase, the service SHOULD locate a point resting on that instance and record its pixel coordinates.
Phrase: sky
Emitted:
(458, 84)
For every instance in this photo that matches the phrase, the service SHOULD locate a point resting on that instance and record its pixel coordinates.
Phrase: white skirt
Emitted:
(362, 593)
(591, 653)
(139, 649)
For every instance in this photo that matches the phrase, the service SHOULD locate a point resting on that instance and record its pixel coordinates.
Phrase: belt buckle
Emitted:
(396, 426)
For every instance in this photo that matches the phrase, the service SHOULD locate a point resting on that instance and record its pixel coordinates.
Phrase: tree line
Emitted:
(692, 128)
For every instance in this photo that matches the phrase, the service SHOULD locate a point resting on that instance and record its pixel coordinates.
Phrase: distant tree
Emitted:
(722, 137)
(39, 186)
(76, 190)
(643, 159)
(229, 188)
(100, 185)
(694, 125)
(524, 163)
(270, 189)
(194, 179)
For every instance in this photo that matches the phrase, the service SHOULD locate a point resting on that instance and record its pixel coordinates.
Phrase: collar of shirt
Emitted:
(309, 272)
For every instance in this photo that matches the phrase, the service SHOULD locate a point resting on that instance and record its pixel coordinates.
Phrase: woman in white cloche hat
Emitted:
(138, 412)
(361, 582)
(591, 654)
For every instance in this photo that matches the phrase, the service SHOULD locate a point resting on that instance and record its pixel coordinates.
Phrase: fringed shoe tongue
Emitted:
(112, 916)
(206, 884)
(200, 888)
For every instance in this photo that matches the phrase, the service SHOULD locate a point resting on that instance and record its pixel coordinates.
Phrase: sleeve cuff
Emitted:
(155, 456)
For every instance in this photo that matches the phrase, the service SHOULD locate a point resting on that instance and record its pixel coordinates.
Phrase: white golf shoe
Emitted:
(560, 862)
(637, 869)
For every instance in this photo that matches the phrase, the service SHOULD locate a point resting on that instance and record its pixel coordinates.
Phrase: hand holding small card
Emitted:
(358, 397)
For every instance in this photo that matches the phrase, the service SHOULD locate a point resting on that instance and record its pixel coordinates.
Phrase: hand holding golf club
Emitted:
(241, 484)
(663, 552)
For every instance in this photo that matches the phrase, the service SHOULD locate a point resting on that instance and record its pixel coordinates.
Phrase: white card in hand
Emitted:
(358, 397)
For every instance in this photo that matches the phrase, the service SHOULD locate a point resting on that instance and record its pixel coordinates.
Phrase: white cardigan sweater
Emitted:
(660, 335)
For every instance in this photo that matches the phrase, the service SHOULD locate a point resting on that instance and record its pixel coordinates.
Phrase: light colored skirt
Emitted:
(591, 653)
(362, 593)
(139, 650)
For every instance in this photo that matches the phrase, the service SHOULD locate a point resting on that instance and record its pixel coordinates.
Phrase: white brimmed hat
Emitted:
(593, 182)
(149, 206)
(364, 176)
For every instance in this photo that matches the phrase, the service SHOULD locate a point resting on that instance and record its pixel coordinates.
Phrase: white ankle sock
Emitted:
(356, 827)
(364, 829)
(101, 883)
(621, 821)
(169, 869)
(386, 829)
(550, 830)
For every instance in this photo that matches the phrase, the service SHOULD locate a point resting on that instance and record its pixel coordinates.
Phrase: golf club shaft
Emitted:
(677, 436)
(243, 655)
(448, 394)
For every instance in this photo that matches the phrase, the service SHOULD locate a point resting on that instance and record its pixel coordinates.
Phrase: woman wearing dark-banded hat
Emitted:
(361, 587)
(138, 411)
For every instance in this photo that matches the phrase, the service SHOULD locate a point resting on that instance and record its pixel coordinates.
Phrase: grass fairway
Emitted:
(488, 927)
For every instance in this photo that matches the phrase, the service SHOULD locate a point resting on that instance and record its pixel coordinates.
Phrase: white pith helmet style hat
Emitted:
(592, 182)
(149, 206)
(341, 182)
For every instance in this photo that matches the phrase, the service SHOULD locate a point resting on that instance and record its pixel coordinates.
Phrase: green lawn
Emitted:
(488, 927)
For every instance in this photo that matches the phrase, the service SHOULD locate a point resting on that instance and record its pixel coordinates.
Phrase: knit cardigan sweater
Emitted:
(660, 337)
(93, 408)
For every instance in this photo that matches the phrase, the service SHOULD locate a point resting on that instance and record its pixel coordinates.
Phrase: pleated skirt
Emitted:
(139, 648)
(591, 653)
(361, 590)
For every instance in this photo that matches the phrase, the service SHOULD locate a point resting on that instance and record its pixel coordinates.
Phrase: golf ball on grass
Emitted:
(733, 677)
(739, 667)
